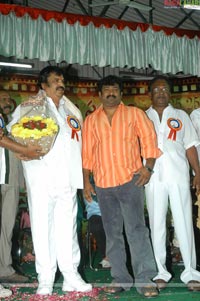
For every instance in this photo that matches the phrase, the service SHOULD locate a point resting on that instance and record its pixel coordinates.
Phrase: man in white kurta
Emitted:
(170, 183)
(52, 183)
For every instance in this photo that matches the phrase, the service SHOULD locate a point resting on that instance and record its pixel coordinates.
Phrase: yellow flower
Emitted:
(34, 127)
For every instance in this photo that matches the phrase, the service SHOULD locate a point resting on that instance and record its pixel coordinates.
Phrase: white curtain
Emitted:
(24, 37)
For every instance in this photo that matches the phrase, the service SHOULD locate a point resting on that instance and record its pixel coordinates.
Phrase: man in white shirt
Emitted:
(52, 184)
(170, 182)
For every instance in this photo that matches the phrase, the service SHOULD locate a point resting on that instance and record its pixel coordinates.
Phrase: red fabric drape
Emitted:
(34, 13)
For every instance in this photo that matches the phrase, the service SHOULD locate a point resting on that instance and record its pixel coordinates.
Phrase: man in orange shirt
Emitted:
(115, 137)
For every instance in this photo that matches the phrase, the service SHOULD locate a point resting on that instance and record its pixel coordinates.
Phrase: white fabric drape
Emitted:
(98, 46)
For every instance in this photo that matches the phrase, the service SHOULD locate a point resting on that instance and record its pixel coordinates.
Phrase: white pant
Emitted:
(158, 194)
(53, 213)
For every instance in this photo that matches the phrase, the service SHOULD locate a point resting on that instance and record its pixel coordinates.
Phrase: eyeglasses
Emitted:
(160, 89)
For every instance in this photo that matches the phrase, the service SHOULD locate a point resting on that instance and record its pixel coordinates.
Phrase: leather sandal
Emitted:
(148, 291)
(161, 283)
(114, 289)
(193, 286)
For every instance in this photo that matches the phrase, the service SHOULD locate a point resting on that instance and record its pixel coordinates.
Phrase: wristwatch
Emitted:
(149, 169)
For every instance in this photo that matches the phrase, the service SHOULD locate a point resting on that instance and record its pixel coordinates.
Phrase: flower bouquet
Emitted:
(36, 130)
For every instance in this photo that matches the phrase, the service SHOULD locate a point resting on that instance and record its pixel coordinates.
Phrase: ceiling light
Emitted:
(190, 6)
(16, 65)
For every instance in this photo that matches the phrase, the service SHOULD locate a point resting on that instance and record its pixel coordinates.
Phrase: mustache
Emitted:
(7, 107)
(111, 96)
(161, 97)
(60, 87)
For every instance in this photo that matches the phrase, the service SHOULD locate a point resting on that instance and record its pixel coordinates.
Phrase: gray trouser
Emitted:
(9, 206)
(124, 206)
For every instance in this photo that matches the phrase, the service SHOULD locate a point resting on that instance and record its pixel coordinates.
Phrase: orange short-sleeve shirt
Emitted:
(113, 152)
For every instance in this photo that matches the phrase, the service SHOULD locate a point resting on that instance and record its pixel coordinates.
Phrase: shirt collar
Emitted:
(119, 106)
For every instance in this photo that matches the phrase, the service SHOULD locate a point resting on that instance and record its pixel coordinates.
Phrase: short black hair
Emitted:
(160, 77)
(45, 73)
(110, 80)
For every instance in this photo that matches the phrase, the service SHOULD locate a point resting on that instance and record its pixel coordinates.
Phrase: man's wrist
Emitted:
(149, 169)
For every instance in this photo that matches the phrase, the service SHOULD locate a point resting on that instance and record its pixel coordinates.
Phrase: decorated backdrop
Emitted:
(185, 92)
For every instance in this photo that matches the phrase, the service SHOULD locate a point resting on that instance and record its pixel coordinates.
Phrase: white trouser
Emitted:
(53, 213)
(158, 194)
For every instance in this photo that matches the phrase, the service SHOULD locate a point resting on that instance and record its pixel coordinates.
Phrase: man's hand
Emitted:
(88, 191)
(196, 183)
(30, 152)
(144, 177)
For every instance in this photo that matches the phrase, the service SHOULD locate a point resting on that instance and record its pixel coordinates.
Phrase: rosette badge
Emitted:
(35, 130)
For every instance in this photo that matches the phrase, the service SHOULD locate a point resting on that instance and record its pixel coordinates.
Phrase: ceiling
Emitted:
(159, 15)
